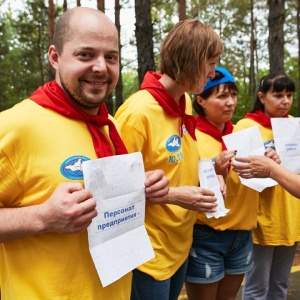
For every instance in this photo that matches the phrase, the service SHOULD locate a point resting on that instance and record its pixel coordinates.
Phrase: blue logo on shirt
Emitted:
(270, 144)
(173, 143)
(71, 168)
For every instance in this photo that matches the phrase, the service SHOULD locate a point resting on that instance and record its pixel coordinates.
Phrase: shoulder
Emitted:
(22, 113)
(244, 123)
(140, 105)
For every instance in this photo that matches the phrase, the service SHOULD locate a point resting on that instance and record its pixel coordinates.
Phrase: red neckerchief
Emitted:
(261, 118)
(51, 96)
(203, 125)
(157, 90)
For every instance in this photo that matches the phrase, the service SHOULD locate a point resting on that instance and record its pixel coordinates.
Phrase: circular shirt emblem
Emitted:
(71, 168)
(173, 143)
(269, 144)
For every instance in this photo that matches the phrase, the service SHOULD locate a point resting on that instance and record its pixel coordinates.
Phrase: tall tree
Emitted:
(119, 87)
(101, 5)
(276, 35)
(298, 36)
(65, 5)
(181, 9)
(144, 37)
(23, 65)
(50, 34)
(252, 81)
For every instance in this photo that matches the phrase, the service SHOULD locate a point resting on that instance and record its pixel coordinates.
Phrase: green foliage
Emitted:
(163, 20)
(130, 83)
(23, 64)
(24, 45)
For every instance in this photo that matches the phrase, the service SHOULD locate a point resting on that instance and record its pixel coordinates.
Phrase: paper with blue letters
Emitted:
(286, 133)
(118, 239)
(209, 180)
(249, 142)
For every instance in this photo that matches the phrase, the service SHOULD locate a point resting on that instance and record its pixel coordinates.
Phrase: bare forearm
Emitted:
(192, 197)
(287, 179)
(16, 223)
(70, 209)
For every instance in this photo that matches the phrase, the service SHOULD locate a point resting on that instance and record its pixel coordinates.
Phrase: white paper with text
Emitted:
(286, 132)
(209, 180)
(249, 142)
(118, 239)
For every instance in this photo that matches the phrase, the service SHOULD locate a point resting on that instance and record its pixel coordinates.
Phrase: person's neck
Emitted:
(174, 89)
(219, 126)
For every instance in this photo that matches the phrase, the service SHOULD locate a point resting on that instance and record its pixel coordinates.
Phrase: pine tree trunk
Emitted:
(51, 22)
(119, 87)
(144, 35)
(276, 35)
(181, 9)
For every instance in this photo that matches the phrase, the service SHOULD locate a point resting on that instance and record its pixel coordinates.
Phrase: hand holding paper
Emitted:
(117, 236)
(248, 142)
(208, 179)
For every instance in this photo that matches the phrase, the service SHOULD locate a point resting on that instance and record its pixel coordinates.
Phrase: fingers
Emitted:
(223, 160)
(271, 153)
(71, 186)
(205, 201)
(69, 209)
(153, 177)
(160, 195)
(157, 186)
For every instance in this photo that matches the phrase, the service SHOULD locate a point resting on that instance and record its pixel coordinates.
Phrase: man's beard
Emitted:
(77, 95)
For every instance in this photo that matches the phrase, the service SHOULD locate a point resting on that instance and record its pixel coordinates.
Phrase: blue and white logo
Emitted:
(173, 144)
(269, 144)
(71, 168)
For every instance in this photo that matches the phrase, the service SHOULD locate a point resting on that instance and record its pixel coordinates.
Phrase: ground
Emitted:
(294, 286)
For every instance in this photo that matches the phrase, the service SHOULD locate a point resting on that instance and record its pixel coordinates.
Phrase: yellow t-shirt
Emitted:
(147, 128)
(278, 211)
(39, 149)
(242, 214)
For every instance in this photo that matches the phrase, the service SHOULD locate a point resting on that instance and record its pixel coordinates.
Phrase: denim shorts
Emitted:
(216, 253)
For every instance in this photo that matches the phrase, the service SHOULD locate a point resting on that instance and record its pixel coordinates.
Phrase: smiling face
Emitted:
(276, 104)
(219, 107)
(88, 67)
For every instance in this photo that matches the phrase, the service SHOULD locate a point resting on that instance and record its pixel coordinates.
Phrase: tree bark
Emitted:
(65, 5)
(119, 87)
(181, 9)
(144, 38)
(298, 36)
(252, 79)
(101, 5)
(276, 35)
(51, 24)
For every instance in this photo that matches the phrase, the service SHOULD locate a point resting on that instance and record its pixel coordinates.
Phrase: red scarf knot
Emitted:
(152, 84)
(52, 96)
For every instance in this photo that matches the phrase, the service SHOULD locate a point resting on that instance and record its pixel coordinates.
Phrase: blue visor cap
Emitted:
(227, 77)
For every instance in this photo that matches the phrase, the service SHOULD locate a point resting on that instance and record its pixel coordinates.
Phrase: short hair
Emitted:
(273, 82)
(231, 86)
(186, 49)
(62, 31)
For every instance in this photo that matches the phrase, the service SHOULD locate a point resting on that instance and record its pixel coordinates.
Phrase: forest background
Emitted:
(258, 36)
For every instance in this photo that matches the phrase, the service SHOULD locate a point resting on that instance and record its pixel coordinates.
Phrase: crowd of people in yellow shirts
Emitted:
(44, 214)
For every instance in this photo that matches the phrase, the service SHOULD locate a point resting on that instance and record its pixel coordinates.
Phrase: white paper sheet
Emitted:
(118, 239)
(286, 132)
(209, 180)
(248, 142)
